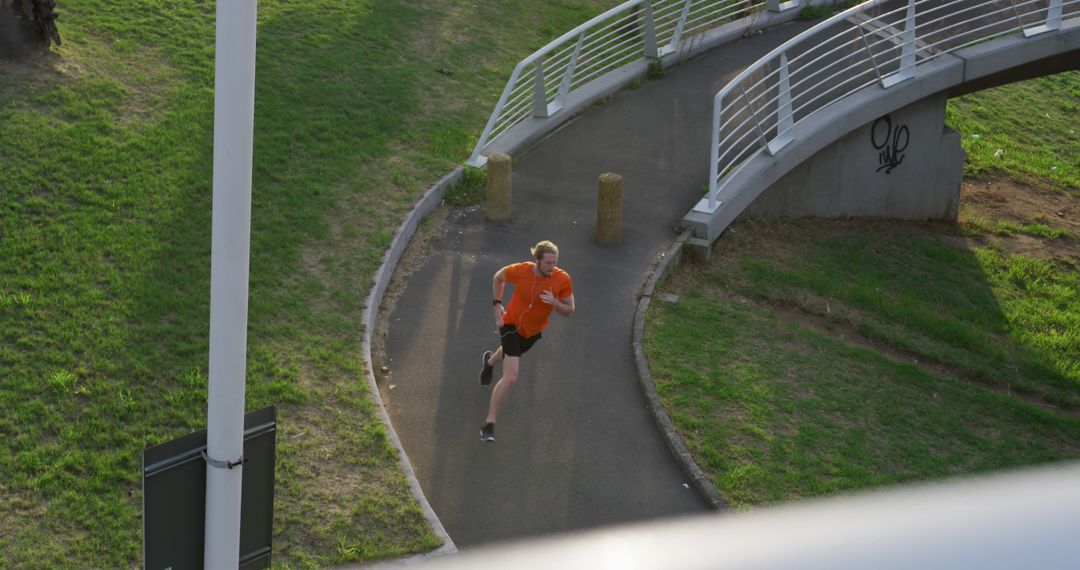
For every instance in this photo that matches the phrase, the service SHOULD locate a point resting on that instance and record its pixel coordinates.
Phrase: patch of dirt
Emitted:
(145, 81)
(999, 198)
(21, 71)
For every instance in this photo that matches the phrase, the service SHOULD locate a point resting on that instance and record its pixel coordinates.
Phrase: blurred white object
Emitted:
(1017, 520)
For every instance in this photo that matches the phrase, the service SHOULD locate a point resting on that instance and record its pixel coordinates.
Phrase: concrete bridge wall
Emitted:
(904, 165)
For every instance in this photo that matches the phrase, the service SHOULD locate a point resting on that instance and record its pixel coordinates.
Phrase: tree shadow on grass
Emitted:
(20, 37)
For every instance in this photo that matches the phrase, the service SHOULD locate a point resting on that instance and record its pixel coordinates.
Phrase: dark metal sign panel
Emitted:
(174, 498)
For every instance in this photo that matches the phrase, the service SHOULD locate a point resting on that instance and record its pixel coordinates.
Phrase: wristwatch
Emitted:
(496, 302)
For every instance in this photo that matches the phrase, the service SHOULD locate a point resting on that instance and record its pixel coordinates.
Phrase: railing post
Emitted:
(676, 37)
(709, 204)
(784, 115)
(907, 50)
(1053, 20)
(651, 50)
(778, 6)
(1053, 15)
(568, 75)
(539, 106)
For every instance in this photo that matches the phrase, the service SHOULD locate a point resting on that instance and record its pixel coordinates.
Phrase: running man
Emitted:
(539, 288)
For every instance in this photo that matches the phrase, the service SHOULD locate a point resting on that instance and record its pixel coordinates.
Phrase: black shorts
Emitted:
(513, 344)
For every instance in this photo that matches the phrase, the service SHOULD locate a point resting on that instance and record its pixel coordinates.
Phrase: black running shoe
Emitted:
(487, 433)
(485, 374)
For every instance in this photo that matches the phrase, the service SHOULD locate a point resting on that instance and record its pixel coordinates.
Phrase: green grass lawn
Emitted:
(1007, 320)
(105, 196)
(907, 358)
(1033, 123)
(814, 357)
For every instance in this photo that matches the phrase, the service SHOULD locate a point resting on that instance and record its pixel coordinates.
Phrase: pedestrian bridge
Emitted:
(851, 72)
(842, 75)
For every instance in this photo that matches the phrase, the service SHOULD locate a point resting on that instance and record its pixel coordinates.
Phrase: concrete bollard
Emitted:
(609, 201)
(498, 187)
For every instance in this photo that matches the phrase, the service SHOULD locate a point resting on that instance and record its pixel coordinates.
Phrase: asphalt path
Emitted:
(576, 446)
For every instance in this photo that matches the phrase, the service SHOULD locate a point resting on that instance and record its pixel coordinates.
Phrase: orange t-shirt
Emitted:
(527, 311)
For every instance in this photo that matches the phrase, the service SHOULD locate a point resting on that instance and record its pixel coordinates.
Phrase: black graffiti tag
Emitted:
(891, 143)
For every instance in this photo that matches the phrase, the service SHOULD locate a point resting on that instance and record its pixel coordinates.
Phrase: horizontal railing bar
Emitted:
(610, 38)
(739, 145)
(667, 15)
(525, 97)
(805, 89)
(709, 11)
(705, 23)
(616, 41)
(1015, 28)
(743, 127)
(1008, 10)
(796, 71)
(670, 12)
(797, 93)
(573, 34)
(517, 114)
(981, 38)
(586, 78)
(601, 64)
(873, 79)
(726, 11)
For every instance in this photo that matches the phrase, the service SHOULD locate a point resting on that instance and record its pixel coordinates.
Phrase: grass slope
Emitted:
(813, 357)
(105, 196)
(1038, 135)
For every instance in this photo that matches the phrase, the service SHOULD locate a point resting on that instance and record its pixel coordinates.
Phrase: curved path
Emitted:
(576, 447)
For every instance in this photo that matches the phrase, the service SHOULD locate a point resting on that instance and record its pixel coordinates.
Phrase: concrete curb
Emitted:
(404, 234)
(668, 262)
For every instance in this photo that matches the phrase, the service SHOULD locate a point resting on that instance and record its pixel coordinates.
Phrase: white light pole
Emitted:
(234, 117)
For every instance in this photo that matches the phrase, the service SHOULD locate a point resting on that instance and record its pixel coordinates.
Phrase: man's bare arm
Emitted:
(498, 285)
(564, 306)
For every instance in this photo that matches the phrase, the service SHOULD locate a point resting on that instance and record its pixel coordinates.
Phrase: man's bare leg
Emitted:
(496, 357)
(502, 387)
(490, 360)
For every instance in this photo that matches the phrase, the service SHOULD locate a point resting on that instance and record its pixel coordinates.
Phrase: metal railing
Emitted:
(880, 42)
(629, 33)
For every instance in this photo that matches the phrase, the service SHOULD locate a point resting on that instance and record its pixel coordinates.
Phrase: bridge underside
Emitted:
(1068, 61)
